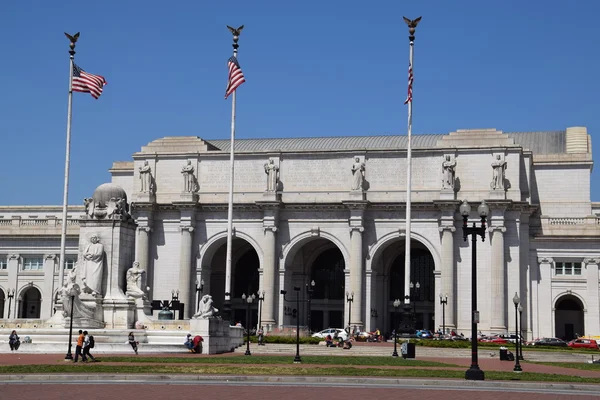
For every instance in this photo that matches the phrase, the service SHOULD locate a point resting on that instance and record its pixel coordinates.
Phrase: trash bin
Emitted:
(503, 354)
(408, 350)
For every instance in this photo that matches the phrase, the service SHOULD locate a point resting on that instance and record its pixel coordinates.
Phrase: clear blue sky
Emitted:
(313, 68)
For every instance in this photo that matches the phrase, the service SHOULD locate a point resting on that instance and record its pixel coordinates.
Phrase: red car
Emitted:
(493, 339)
(583, 343)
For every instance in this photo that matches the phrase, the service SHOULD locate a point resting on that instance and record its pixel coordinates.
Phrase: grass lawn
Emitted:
(583, 366)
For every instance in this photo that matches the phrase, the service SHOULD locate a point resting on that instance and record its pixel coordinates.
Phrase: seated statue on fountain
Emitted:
(133, 277)
(206, 309)
(69, 294)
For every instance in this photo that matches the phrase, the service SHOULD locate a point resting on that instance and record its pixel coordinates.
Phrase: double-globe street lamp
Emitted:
(69, 355)
(443, 302)
(11, 294)
(297, 358)
(520, 355)
(474, 372)
(249, 300)
(397, 303)
(517, 302)
(260, 298)
(349, 299)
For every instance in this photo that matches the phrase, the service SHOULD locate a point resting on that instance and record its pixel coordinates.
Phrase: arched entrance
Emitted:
(245, 278)
(568, 317)
(31, 301)
(320, 260)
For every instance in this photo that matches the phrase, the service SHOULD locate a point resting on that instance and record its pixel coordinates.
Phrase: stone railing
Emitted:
(566, 221)
(17, 221)
(568, 226)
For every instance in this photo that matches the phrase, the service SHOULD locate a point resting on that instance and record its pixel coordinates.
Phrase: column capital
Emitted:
(545, 260)
(50, 256)
(146, 229)
(271, 228)
(14, 256)
(591, 260)
(494, 228)
(450, 228)
(186, 228)
(358, 228)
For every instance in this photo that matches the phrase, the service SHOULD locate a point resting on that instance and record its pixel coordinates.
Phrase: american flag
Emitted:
(410, 83)
(236, 76)
(87, 83)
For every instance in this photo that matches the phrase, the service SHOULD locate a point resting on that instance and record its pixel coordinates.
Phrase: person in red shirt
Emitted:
(198, 344)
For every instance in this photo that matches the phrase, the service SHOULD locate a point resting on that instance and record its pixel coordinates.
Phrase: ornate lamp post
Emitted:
(199, 289)
(349, 299)
(297, 358)
(414, 294)
(520, 356)
(248, 299)
(309, 290)
(397, 303)
(474, 372)
(517, 301)
(443, 302)
(10, 295)
(69, 355)
(260, 298)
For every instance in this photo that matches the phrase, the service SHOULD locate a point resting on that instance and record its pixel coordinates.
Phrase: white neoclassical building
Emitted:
(332, 210)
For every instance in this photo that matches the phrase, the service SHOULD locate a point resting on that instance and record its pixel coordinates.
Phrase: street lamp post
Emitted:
(517, 301)
(11, 294)
(443, 302)
(199, 289)
(520, 332)
(397, 303)
(297, 358)
(260, 298)
(474, 372)
(69, 356)
(248, 299)
(349, 299)
(414, 295)
(309, 290)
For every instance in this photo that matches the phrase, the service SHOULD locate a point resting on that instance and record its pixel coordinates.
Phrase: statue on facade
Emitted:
(499, 166)
(272, 171)
(189, 181)
(448, 171)
(133, 277)
(146, 178)
(206, 309)
(93, 256)
(358, 174)
(88, 203)
(69, 295)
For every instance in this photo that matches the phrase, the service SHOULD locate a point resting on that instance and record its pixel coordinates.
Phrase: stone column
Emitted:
(185, 270)
(141, 254)
(592, 324)
(543, 321)
(356, 269)
(448, 276)
(497, 284)
(13, 261)
(268, 317)
(47, 305)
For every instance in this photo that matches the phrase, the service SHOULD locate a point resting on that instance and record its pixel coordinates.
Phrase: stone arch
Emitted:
(30, 302)
(208, 249)
(569, 319)
(383, 242)
(296, 243)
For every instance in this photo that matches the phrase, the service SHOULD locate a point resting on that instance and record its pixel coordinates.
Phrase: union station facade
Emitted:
(302, 214)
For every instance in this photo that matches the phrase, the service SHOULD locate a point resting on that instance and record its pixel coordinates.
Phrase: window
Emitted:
(3, 262)
(567, 269)
(70, 262)
(33, 263)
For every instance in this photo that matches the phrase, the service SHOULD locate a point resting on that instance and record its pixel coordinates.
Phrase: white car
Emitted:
(331, 331)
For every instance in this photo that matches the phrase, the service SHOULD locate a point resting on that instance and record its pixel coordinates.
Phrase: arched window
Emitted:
(421, 270)
(246, 274)
(328, 274)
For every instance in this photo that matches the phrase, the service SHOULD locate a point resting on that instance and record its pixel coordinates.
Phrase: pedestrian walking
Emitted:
(79, 346)
(88, 343)
(13, 341)
(132, 342)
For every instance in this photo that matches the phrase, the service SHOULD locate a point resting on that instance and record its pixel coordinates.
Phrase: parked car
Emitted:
(424, 334)
(493, 339)
(331, 331)
(583, 344)
(548, 342)
(512, 338)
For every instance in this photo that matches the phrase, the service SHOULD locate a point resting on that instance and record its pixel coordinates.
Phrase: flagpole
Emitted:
(411, 37)
(63, 236)
(227, 304)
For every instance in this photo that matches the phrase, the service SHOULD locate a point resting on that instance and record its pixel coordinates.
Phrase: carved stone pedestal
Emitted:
(499, 194)
(188, 197)
(219, 337)
(119, 313)
(447, 194)
(270, 195)
(357, 195)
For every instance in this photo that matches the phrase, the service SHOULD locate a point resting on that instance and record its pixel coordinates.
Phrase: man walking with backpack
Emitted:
(88, 343)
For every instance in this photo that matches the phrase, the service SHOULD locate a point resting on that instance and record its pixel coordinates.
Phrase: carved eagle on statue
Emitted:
(236, 32)
(412, 23)
(73, 38)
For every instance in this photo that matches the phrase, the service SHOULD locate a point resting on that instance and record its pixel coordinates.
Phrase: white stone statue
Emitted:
(499, 166)
(88, 203)
(206, 309)
(358, 174)
(448, 171)
(272, 171)
(69, 295)
(189, 181)
(146, 178)
(94, 266)
(133, 277)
